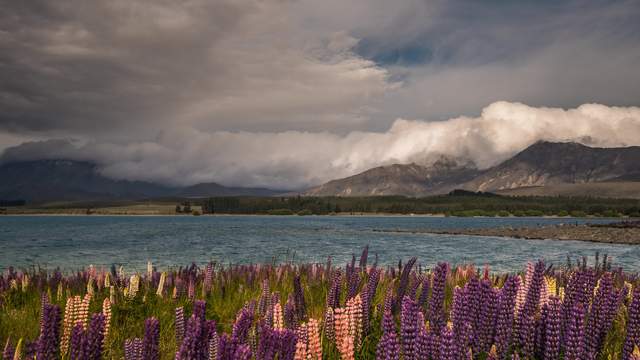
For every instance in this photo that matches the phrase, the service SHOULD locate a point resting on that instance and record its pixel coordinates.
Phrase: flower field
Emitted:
(322, 311)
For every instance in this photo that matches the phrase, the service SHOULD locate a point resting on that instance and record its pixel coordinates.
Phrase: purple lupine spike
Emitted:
(265, 298)
(179, 325)
(76, 349)
(133, 349)
(504, 321)
(404, 282)
(525, 320)
(540, 326)
(242, 353)
(552, 329)
(486, 317)
(200, 309)
(214, 340)
(574, 338)
(50, 332)
(436, 304)
(243, 323)
(290, 313)
(298, 296)
(424, 292)
(363, 258)
(388, 347)
(633, 325)
(191, 347)
(408, 328)
(459, 312)
(599, 319)
(333, 297)
(9, 351)
(208, 278)
(151, 342)
(447, 345)
(94, 338)
(369, 292)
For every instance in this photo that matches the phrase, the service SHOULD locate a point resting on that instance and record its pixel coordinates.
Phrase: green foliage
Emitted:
(460, 204)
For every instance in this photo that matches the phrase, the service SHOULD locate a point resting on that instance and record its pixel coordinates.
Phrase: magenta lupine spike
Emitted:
(49, 339)
(388, 347)
(436, 304)
(574, 337)
(408, 328)
(151, 342)
(633, 325)
(214, 341)
(504, 321)
(552, 329)
(179, 325)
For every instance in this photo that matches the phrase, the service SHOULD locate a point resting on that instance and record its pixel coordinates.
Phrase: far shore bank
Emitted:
(583, 232)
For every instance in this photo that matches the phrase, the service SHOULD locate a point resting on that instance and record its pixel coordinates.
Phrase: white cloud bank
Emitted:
(295, 159)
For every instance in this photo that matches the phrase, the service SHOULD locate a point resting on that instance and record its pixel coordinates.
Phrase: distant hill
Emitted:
(398, 179)
(544, 168)
(546, 164)
(44, 181)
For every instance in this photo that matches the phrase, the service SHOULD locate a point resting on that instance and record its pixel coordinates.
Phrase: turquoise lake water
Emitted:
(71, 242)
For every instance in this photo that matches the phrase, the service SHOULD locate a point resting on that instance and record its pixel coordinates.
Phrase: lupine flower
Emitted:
(552, 329)
(436, 305)
(409, 328)
(9, 351)
(633, 325)
(333, 296)
(447, 345)
(151, 342)
(298, 296)
(49, 335)
(525, 319)
(388, 347)
(179, 325)
(600, 316)
(94, 338)
(160, 290)
(404, 282)
(278, 319)
(504, 321)
(133, 349)
(106, 311)
(78, 342)
(574, 338)
(344, 340)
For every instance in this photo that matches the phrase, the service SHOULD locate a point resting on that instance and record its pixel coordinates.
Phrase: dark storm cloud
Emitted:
(292, 93)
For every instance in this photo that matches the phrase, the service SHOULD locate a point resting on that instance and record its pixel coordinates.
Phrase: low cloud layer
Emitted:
(293, 159)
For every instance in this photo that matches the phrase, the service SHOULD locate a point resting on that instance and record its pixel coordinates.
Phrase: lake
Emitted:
(71, 242)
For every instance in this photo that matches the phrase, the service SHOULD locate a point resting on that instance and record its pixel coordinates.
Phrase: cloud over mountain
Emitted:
(295, 159)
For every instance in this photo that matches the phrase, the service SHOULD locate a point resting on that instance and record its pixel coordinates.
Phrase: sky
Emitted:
(292, 93)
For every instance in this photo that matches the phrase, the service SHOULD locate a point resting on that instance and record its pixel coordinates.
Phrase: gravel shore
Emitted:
(612, 235)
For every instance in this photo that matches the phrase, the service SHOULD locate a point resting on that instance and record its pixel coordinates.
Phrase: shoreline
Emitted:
(607, 235)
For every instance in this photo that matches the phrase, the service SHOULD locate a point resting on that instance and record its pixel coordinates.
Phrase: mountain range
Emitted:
(43, 181)
(544, 168)
(561, 168)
